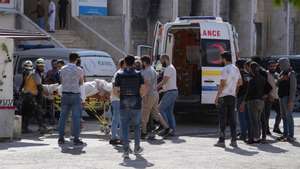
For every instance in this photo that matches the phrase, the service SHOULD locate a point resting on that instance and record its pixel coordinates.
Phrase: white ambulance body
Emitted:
(194, 45)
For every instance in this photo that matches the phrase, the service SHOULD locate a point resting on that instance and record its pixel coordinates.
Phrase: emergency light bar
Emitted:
(200, 18)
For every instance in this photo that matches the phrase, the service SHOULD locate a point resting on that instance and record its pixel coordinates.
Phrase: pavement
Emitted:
(193, 148)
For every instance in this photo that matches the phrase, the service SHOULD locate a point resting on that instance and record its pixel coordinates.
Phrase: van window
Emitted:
(211, 51)
(98, 65)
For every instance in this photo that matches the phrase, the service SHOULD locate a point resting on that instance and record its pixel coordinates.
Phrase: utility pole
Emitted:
(287, 20)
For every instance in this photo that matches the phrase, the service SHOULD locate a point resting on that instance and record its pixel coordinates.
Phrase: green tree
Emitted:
(296, 3)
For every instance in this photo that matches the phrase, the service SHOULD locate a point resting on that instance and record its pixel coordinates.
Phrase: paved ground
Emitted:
(192, 149)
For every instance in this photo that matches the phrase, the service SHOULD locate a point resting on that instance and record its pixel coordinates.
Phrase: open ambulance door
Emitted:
(152, 51)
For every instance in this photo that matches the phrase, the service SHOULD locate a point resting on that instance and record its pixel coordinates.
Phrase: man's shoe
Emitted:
(263, 141)
(282, 139)
(166, 132)
(158, 130)
(61, 141)
(277, 130)
(126, 155)
(78, 142)
(291, 139)
(250, 142)
(115, 142)
(138, 150)
(220, 144)
(256, 141)
(268, 133)
(144, 136)
(151, 136)
(233, 144)
(243, 138)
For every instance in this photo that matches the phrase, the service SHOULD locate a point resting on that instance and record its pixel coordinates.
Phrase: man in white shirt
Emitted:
(230, 81)
(115, 109)
(169, 85)
(51, 16)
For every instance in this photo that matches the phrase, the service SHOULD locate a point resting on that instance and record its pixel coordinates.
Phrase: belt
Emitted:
(173, 90)
(69, 93)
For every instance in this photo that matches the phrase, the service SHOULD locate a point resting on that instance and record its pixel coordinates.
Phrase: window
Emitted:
(211, 51)
(98, 65)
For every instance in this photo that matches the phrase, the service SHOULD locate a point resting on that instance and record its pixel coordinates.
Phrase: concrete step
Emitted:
(70, 39)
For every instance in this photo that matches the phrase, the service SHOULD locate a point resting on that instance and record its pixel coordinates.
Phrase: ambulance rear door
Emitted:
(215, 39)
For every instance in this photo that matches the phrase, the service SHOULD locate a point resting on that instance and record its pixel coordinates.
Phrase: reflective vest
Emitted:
(30, 85)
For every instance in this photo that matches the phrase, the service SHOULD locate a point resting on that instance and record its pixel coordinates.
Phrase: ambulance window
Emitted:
(212, 49)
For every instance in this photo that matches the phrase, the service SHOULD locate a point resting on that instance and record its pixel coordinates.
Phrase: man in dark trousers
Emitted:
(129, 85)
(287, 87)
(63, 7)
(230, 81)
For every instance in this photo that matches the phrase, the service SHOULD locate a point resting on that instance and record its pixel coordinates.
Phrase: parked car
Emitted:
(96, 65)
(295, 63)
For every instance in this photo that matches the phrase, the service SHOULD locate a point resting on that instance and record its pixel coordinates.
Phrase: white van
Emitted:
(96, 65)
(194, 45)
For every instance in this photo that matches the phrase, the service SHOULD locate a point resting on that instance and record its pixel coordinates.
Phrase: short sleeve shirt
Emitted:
(231, 75)
(149, 75)
(171, 84)
(129, 81)
(112, 96)
(70, 76)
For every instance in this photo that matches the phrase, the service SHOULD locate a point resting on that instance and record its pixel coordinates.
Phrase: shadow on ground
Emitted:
(19, 144)
(139, 162)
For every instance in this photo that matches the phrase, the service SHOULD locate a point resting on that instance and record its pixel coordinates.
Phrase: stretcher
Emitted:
(95, 97)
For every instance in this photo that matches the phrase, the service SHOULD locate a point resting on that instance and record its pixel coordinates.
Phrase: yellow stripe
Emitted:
(211, 73)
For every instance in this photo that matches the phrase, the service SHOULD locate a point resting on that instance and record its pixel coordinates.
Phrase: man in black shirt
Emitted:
(129, 85)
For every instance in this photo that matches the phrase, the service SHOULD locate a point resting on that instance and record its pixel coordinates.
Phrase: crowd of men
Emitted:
(246, 90)
(136, 97)
(253, 91)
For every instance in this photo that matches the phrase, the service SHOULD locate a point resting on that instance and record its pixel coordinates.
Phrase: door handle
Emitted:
(209, 81)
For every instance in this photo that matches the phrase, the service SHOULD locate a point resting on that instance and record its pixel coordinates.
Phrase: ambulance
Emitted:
(194, 44)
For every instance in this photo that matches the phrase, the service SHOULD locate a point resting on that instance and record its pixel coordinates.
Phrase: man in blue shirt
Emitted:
(129, 85)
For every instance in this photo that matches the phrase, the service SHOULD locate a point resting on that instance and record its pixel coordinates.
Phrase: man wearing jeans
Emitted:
(230, 81)
(287, 87)
(115, 109)
(129, 84)
(71, 80)
(169, 85)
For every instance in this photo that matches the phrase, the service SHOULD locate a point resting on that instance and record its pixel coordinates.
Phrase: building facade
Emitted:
(264, 29)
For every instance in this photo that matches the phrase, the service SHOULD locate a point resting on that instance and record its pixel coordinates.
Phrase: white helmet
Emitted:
(28, 65)
(40, 62)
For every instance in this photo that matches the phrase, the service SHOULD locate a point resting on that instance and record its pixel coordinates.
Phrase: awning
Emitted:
(23, 35)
